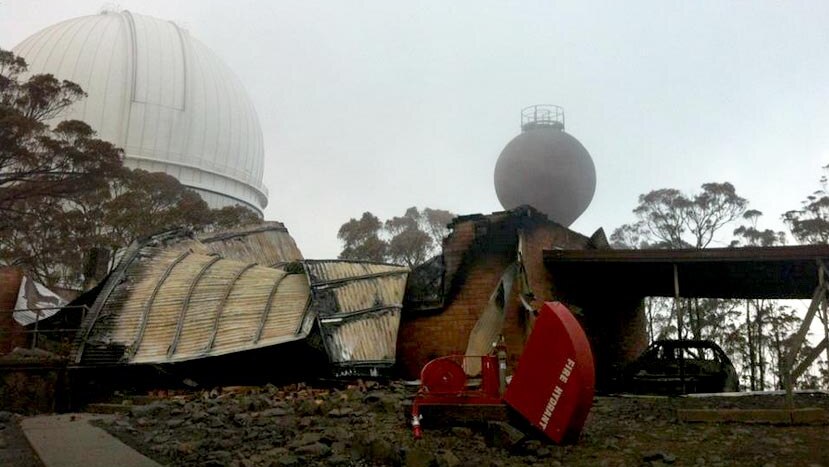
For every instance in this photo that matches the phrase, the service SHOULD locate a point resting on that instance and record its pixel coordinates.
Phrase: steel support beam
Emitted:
(267, 309)
(180, 323)
(220, 307)
(149, 305)
(796, 344)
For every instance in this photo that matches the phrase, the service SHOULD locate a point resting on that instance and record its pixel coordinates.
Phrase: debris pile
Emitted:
(364, 424)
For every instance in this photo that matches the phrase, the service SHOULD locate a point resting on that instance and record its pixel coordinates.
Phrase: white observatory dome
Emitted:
(546, 168)
(163, 97)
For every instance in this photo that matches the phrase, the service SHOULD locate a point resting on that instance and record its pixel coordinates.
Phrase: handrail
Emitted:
(36, 331)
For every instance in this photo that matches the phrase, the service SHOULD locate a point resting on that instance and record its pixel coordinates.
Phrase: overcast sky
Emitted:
(378, 106)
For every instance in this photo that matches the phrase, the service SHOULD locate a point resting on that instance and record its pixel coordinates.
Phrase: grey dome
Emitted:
(162, 96)
(548, 169)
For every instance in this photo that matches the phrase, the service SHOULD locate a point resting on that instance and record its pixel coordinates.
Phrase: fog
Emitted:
(378, 106)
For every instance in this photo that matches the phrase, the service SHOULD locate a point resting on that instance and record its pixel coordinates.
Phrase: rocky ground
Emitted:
(364, 425)
(14, 448)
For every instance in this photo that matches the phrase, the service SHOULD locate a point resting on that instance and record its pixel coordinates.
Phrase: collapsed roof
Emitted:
(174, 297)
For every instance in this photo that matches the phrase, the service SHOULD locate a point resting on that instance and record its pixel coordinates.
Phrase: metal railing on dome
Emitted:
(542, 115)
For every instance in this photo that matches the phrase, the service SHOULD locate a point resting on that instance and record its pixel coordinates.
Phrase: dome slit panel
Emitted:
(254, 133)
(236, 158)
(244, 143)
(160, 70)
(208, 96)
(179, 93)
(180, 84)
(260, 149)
(198, 124)
(219, 152)
(156, 72)
(226, 162)
(256, 140)
(138, 113)
(236, 137)
(211, 135)
(228, 158)
(111, 120)
(127, 35)
(144, 48)
(86, 62)
(247, 130)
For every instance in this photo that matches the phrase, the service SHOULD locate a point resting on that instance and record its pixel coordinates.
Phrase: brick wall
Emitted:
(476, 254)
(615, 325)
(11, 333)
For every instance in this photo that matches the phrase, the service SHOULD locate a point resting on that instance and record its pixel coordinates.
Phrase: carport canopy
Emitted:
(786, 272)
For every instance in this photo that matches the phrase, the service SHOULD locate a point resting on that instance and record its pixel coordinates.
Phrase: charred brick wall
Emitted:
(476, 254)
(11, 333)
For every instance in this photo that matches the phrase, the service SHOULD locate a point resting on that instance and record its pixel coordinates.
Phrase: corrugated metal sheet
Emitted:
(267, 244)
(361, 295)
(181, 303)
(174, 298)
(367, 338)
(358, 307)
(324, 272)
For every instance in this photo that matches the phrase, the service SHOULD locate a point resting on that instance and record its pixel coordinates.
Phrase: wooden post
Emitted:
(37, 322)
(751, 358)
(679, 329)
(676, 304)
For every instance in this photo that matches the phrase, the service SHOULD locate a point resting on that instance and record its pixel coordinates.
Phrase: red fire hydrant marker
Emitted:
(552, 387)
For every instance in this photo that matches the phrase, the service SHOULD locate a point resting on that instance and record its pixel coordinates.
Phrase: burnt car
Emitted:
(681, 367)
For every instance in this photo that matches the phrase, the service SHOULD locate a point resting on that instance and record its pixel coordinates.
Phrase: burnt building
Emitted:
(447, 298)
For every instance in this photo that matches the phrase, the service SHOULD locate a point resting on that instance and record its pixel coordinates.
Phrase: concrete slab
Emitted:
(68, 440)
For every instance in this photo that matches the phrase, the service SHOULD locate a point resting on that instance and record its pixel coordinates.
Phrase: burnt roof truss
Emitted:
(133, 349)
(180, 324)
